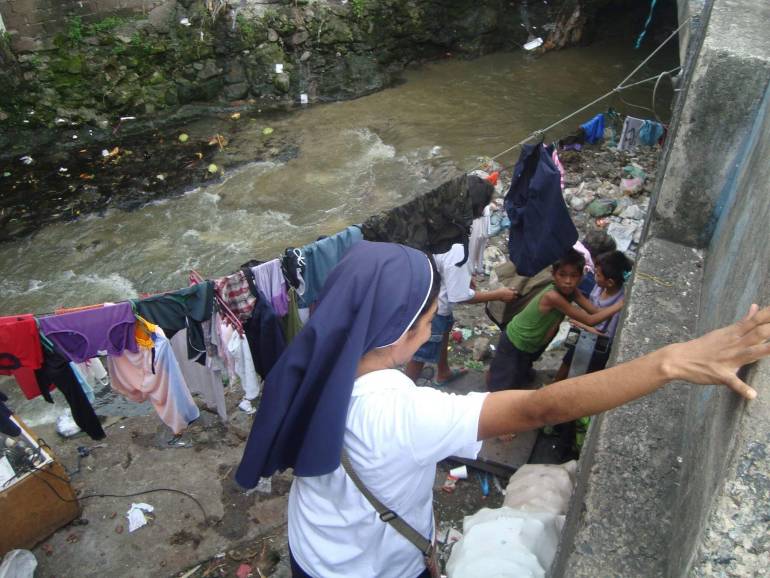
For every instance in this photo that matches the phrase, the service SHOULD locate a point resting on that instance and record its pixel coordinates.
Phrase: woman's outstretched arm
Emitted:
(714, 358)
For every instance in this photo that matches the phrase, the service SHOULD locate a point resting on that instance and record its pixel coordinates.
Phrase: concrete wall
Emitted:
(723, 96)
(688, 9)
(725, 485)
(678, 483)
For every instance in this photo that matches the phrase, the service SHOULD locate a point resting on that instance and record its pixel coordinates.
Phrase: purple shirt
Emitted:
(82, 335)
(608, 326)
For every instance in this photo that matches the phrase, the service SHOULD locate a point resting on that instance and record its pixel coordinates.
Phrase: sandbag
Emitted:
(505, 543)
(541, 487)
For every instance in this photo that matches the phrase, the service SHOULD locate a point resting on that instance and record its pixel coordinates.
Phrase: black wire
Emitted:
(89, 496)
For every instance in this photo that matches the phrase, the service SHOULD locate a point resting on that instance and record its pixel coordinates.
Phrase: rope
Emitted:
(619, 88)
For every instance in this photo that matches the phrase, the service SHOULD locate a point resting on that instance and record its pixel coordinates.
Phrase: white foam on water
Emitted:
(35, 285)
(112, 286)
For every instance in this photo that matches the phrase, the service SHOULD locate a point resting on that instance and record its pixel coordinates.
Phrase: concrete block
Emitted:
(721, 101)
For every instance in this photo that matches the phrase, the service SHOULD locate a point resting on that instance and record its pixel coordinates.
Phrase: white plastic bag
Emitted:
(505, 543)
(18, 564)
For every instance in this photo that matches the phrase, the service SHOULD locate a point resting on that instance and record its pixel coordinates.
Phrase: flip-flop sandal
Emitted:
(455, 374)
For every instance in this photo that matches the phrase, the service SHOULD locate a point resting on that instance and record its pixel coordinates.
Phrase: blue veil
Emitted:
(373, 295)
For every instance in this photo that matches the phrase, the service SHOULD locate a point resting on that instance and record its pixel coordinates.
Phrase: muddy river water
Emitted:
(355, 158)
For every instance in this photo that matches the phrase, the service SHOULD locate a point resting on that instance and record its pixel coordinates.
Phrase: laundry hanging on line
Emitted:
(268, 316)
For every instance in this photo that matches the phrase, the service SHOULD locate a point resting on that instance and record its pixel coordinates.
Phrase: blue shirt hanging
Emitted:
(594, 129)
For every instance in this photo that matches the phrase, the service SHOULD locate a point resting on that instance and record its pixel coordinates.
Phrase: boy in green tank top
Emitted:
(530, 331)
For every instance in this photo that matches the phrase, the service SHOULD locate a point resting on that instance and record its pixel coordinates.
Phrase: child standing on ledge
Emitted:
(530, 331)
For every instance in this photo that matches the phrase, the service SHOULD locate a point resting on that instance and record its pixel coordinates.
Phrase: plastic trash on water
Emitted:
(136, 517)
(534, 43)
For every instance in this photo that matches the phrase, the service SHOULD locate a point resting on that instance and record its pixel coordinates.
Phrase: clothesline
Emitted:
(619, 88)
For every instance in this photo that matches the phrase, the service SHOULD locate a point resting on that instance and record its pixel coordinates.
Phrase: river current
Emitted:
(355, 158)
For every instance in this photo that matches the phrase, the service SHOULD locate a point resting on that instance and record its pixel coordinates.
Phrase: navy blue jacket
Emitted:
(541, 228)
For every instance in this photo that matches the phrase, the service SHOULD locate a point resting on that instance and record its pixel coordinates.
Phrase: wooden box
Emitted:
(35, 504)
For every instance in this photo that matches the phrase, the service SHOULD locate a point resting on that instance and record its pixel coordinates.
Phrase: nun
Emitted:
(336, 392)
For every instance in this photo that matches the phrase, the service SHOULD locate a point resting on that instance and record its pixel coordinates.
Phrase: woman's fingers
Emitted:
(754, 353)
(757, 335)
(756, 317)
(739, 386)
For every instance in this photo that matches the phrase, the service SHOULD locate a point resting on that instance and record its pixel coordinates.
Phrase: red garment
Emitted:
(20, 352)
(19, 343)
(27, 381)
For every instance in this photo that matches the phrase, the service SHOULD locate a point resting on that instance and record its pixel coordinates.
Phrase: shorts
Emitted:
(430, 350)
(510, 368)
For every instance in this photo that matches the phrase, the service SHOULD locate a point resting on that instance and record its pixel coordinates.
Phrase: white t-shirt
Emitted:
(455, 281)
(395, 435)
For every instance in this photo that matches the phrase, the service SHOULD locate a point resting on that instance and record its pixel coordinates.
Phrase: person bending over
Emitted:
(456, 278)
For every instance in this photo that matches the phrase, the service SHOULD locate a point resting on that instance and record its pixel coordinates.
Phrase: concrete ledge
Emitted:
(725, 488)
(620, 520)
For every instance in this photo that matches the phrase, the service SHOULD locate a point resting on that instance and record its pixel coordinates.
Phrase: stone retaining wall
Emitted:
(34, 19)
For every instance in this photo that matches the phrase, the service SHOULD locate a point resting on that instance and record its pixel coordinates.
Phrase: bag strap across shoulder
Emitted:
(386, 514)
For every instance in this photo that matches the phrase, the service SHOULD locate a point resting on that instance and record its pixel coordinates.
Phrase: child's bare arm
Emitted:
(586, 327)
(555, 300)
(586, 304)
(504, 294)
